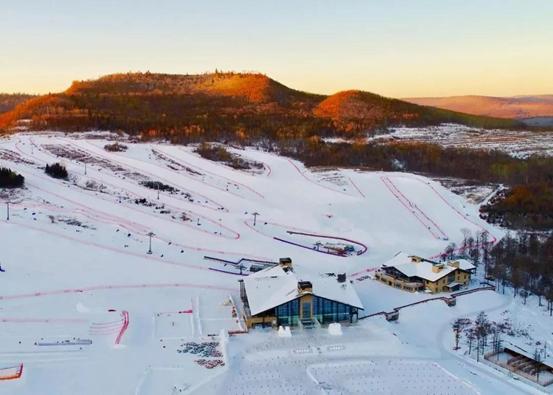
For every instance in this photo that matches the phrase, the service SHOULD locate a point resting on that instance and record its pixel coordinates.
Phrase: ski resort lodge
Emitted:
(278, 296)
(413, 273)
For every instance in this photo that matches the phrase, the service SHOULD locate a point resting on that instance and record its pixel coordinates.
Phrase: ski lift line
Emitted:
(494, 239)
(428, 184)
(113, 249)
(356, 187)
(444, 236)
(236, 235)
(126, 252)
(408, 205)
(418, 209)
(187, 164)
(55, 157)
(184, 174)
(97, 214)
(404, 204)
(224, 166)
(114, 287)
(133, 226)
(103, 154)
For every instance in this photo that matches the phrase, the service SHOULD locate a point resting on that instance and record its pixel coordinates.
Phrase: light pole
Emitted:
(255, 214)
(150, 246)
(85, 168)
(7, 211)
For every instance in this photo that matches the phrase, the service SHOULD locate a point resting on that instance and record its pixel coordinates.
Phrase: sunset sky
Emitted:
(395, 48)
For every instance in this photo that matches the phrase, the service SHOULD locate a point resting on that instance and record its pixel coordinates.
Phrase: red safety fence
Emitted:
(11, 372)
(124, 327)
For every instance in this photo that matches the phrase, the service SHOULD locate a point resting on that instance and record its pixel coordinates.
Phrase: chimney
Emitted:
(341, 277)
(437, 268)
(285, 263)
(415, 259)
(454, 264)
(305, 287)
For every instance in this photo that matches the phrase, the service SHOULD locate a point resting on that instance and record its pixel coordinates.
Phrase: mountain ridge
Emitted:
(514, 107)
(222, 105)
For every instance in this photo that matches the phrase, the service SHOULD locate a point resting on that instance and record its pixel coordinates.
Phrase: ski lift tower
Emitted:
(255, 214)
(151, 234)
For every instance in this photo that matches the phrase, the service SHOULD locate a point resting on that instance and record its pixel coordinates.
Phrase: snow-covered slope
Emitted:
(77, 268)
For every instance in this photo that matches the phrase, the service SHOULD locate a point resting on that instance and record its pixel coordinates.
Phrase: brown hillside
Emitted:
(221, 106)
(8, 101)
(254, 87)
(518, 107)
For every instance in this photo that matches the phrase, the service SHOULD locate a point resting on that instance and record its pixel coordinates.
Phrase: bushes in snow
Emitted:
(10, 179)
(56, 170)
(157, 185)
(115, 147)
(219, 153)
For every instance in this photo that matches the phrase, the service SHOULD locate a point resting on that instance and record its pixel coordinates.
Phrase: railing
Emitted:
(411, 285)
(444, 298)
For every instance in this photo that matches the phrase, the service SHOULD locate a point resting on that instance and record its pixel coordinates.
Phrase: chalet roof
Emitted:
(423, 268)
(274, 286)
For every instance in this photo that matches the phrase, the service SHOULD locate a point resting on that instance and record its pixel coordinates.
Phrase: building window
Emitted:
(288, 313)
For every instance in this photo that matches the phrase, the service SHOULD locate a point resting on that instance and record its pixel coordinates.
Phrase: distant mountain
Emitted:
(222, 105)
(517, 107)
(8, 101)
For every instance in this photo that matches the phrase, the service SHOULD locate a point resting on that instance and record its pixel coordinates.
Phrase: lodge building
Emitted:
(413, 273)
(279, 296)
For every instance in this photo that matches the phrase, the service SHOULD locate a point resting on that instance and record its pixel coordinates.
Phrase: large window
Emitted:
(327, 311)
(324, 310)
(288, 313)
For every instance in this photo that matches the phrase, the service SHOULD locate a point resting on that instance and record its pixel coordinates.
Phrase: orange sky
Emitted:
(398, 48)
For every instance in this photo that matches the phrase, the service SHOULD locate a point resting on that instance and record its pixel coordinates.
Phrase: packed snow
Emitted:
(87, 306)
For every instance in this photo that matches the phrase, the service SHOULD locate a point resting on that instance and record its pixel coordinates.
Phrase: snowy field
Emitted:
(87, 310)
(518, 143)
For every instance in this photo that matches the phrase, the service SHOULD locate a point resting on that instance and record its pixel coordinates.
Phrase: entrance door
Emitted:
(306, 310)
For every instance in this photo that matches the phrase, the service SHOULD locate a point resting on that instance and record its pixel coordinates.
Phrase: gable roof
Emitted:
(423, 269)
(274, 286)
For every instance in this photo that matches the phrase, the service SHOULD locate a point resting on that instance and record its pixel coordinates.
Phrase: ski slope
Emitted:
(77, 267)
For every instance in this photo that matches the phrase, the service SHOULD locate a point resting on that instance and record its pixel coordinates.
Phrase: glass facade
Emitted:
(324, 310)
(288, 313)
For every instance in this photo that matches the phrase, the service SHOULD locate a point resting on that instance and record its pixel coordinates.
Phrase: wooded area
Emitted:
(527, 203)
(10, 179)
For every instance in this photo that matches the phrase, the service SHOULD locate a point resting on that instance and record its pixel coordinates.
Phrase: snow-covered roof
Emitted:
(274, 286)
(423, 268)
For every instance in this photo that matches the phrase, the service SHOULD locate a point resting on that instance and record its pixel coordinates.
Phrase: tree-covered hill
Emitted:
(222, 106)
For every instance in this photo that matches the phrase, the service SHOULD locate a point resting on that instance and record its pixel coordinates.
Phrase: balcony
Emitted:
(411, 286)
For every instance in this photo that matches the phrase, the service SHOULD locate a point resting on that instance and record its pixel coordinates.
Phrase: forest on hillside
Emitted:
(216, 106)
(8, 101)
(527, 202)
(525, 263)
